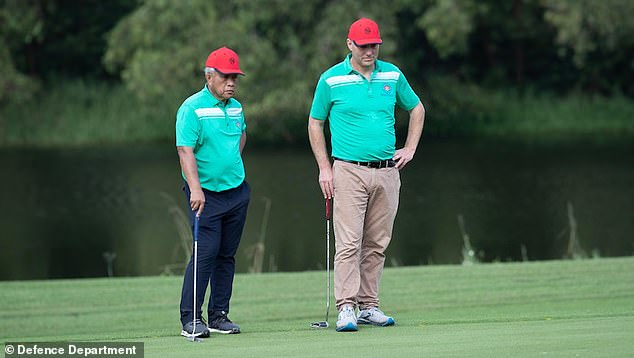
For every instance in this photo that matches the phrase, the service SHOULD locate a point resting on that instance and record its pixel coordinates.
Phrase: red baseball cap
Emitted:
(365, 31)
(224, 60)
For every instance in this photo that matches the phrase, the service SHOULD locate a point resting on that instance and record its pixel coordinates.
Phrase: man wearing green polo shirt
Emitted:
(358, 97)
(210, 136)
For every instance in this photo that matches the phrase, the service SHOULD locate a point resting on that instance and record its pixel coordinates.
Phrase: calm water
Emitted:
(61, 211)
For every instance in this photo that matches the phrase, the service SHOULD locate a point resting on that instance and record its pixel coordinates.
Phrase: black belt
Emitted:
(378, 164)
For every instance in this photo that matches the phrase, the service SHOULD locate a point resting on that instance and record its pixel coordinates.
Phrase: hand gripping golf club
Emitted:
(324, 324)
(192, 337)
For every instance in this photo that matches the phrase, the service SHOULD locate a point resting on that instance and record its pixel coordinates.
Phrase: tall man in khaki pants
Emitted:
(357, 97)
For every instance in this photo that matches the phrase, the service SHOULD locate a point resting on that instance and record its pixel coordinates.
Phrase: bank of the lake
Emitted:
(79, 112)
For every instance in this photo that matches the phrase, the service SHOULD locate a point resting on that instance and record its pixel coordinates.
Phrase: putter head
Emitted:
(193, 338)
(322, 324)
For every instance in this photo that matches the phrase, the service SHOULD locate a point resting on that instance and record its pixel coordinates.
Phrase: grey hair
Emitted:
(209, 70)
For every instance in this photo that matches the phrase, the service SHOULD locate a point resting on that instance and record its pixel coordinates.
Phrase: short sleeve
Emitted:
(406, 98)
(321, 101)
(187, 127)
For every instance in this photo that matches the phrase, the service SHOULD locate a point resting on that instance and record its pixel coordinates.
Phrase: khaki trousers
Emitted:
(365, 206)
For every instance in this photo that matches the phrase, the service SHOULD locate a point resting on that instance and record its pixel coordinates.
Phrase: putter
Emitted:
(324, 324)
(192, 337)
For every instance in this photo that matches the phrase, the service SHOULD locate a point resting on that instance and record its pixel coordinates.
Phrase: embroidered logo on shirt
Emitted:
(387, 89)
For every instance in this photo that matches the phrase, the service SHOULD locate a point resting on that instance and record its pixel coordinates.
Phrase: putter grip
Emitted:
(196, 221)
(328, 209)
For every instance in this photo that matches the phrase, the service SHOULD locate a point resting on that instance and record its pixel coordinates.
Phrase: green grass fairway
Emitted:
(554, 308)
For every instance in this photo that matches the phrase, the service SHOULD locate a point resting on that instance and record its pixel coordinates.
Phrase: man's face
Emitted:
(222, 86)
(364, 55)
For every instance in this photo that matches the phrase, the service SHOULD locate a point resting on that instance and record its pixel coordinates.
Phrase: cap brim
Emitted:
(226, 71)
(374, 41)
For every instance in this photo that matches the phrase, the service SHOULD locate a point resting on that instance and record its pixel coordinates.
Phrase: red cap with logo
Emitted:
(224, 60)
(364, 31)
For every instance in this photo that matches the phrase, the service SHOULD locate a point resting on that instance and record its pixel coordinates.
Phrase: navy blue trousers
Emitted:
(220, 230)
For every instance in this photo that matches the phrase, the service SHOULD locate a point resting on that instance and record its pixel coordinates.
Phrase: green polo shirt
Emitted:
(361, 112)
(213, 129)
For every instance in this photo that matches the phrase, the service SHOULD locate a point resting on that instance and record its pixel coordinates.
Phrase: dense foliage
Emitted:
(452, 51)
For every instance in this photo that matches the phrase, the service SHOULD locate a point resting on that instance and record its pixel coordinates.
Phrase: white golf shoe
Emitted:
(347, 320)
(375, 317)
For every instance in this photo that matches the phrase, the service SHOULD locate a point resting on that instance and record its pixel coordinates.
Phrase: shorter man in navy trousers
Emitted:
(210, 136)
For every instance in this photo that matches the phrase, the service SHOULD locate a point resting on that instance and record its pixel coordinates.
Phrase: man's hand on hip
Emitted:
(403, 156)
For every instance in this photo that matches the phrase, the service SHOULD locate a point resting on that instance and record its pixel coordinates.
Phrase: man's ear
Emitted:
(349, 43)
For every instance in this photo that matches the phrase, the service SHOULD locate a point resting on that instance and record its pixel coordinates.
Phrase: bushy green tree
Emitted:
(45, 40)
(158, 48)
(599, 37)
(448, 25)
(283, 45)
(553, 45)
(21, 25)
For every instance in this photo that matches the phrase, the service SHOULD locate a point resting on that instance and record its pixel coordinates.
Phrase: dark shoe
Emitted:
(197, 330)
(220, 323)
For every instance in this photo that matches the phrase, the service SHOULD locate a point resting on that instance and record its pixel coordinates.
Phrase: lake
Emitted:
(100, 211)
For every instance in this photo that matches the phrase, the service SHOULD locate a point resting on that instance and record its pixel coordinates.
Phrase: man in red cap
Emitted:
(358, 97)
(210, 136)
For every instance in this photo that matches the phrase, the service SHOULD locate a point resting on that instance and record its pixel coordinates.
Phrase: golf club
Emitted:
(324, 324)
(192, 337)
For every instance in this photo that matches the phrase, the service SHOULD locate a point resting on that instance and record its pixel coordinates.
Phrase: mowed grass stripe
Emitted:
(441, 310)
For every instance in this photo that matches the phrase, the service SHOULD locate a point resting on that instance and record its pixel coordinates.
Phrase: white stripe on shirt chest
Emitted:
(217, 112)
